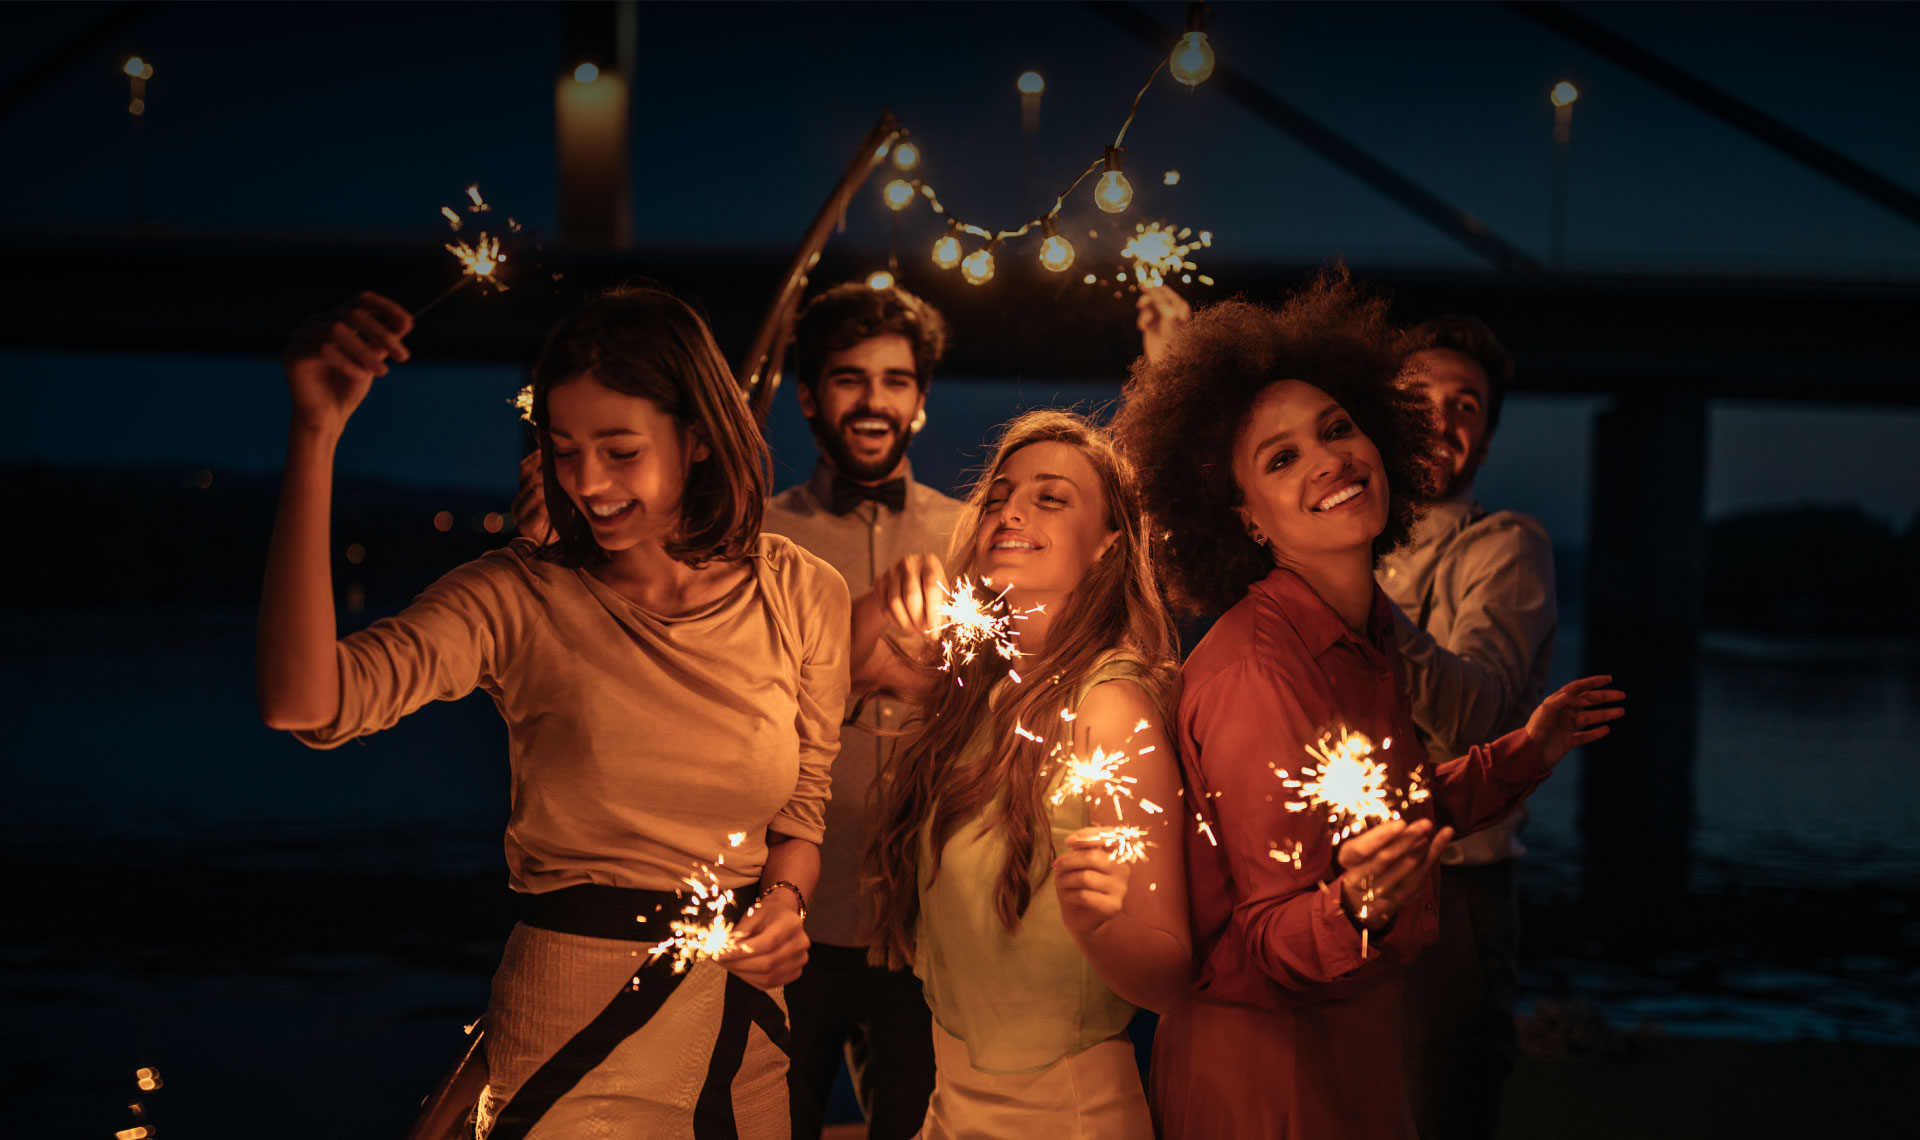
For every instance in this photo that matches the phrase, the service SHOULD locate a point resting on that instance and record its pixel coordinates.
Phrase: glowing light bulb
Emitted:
(1056, 254)
(135, 68)
(1171, 178)
(1564, 94)
(977, 268)
(1192, 59)
(879, 279)
(586, 73)
(899, 194)
(1113, 193)
(1030, 83)
(946, 252)
(906, 156)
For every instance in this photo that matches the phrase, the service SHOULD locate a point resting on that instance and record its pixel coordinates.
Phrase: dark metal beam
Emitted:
(1322, 140)
(1736, 113)
(1793, 340)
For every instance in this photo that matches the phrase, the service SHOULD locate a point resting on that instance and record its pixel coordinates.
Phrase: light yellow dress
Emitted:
(1028, 1041)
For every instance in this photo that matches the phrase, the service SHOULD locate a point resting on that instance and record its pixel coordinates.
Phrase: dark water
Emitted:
(295, 938)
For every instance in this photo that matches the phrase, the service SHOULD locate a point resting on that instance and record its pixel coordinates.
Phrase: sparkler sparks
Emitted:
(523, 402)
(1126, 843)
(703, 929)
(1158, 252)
(1095, 777)
(965, 624)
(1348, 782)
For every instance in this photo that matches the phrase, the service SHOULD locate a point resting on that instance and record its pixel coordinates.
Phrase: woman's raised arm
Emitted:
(331, 362)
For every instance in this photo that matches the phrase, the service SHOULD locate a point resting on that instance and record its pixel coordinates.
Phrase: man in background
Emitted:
(863, 359)
(1475, 591)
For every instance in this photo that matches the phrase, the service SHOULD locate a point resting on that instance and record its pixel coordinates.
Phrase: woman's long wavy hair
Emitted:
(1116, 607)
(646, 342)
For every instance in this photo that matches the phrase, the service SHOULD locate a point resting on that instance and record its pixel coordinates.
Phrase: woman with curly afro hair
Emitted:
(1279, 459)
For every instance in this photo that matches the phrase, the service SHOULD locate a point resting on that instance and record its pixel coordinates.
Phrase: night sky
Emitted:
(362, 120)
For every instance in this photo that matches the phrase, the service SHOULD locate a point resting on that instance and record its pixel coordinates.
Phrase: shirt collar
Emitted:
(1319, 627)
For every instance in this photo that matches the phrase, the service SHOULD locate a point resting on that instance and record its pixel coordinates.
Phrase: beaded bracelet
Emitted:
(797, 896)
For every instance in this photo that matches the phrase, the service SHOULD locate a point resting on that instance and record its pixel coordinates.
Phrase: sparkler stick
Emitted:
(1353, 788)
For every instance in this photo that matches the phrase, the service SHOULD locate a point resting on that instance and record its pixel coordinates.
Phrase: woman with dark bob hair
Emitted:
(1279, 460)
(672, 682)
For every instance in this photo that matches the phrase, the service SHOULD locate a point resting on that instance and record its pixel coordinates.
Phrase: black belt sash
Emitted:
(611, 912)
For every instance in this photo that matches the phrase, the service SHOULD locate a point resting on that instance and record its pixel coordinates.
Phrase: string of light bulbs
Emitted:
(1155, 251)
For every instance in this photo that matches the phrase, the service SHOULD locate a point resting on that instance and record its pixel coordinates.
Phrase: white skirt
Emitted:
(1094, 1094)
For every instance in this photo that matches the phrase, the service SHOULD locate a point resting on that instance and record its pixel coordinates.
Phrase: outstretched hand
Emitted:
(1575, 716)
(333, 357)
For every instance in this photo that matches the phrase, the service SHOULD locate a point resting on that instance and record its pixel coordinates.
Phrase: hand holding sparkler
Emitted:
(332, 358)
(1091, 879)
(1161, 314)
(1385, 865)
(769, 942)
(1574, 716)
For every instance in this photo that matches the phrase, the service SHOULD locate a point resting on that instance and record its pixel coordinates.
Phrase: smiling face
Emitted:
(863, 406)
(1457, 388)
(1043, 523)
(621, 460)
(1311, 484)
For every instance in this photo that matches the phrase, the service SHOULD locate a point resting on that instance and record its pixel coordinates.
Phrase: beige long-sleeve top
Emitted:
(1477, 619)
(638, 743)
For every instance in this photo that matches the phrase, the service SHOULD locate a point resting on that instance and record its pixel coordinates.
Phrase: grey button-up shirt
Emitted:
(860, 544)
(1477, 620)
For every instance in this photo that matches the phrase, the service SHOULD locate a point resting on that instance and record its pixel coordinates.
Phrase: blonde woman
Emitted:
(989, 873)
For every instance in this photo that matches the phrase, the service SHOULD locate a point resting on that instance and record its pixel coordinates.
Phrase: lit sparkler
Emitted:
(1159, 252)
(1125, 842)
(964, 625)
(1094, 777)
(479, 261)
(703, 930)
(523, 403)
(1348, 782)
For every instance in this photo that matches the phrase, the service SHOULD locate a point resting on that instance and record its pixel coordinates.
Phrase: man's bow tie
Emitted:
(848, 494)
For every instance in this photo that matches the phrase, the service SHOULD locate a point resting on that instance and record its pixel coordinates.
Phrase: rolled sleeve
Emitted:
(440, 648)
(1286, 915)
(823, 610)
(1478, 677)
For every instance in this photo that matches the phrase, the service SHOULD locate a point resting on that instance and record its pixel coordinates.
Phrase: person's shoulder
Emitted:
(1509, 532)
(518, 561)
(1254, 636)
(800, 572)
(933, 502)
(796, 501)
